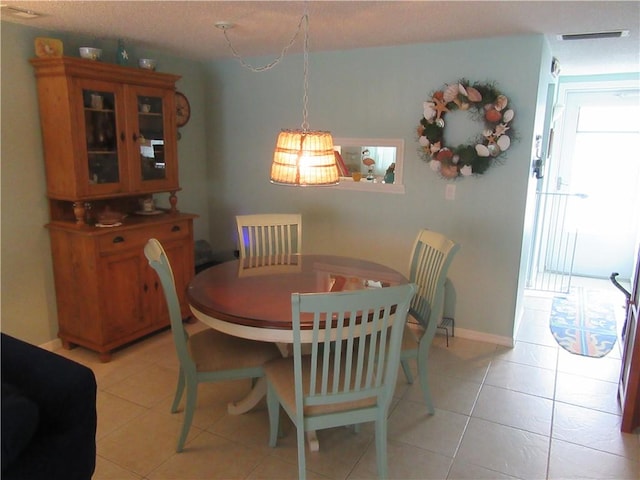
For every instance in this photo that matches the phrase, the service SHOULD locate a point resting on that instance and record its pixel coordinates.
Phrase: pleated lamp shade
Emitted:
(304, 158)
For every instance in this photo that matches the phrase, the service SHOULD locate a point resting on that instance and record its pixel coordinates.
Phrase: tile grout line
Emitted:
(553, 413)
(475, 401)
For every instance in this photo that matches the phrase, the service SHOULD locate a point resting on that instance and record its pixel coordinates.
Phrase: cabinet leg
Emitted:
(105, 357)
(67, 345)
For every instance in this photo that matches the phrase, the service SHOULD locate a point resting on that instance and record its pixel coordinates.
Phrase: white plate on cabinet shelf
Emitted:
(106, 225)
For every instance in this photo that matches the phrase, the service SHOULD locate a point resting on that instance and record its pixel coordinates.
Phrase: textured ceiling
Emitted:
(264, 27)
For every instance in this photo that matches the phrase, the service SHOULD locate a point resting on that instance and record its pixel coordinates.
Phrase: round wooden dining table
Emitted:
(251, 298)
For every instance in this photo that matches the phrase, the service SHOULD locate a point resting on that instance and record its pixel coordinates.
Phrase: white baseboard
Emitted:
(484, 337)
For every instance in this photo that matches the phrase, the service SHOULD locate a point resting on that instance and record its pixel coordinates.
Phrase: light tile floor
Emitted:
(531, 412)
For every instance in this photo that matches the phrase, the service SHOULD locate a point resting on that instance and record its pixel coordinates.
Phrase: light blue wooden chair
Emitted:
(263, 235)
(207, 356)
(350, 375)
(430, 261)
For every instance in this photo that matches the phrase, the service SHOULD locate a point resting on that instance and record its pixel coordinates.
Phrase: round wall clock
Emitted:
(183, 109)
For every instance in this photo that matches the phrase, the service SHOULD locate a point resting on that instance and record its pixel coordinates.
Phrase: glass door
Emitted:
(98, 132)
(100, 136)
(154, 167)
(152, 138)
(597, 157)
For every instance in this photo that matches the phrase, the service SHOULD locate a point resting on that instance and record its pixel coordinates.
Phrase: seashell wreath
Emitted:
(483, 101)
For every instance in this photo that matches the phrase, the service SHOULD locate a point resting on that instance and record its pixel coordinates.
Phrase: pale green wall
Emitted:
(28, 299)
(28, 296)
(379, 92)
(225, 154)
(547, 85)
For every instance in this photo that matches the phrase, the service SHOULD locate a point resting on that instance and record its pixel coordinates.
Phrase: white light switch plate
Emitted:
(450, 192)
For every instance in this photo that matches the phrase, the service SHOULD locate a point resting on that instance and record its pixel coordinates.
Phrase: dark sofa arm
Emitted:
(63, 445)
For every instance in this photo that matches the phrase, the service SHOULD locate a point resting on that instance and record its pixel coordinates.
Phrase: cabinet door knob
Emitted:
(135, 137)
(123, 137)
(175, 228)
(145, 288)
(118, 239)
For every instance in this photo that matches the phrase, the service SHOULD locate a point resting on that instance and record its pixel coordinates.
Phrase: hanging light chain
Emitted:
(275, 62)
(305, 98)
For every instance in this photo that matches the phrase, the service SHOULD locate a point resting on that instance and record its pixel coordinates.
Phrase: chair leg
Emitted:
(423, 352)
(300, 436)
(273, 407)
(381, 446)
(406, 369)
(179, 391)
(189, 408)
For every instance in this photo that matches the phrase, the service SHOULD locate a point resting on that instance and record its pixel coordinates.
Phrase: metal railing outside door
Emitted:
(555, 238)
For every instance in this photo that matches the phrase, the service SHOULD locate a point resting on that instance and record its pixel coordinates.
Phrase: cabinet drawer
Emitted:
(137, 238)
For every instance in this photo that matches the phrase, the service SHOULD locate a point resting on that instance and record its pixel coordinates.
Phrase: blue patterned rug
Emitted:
(584, 322)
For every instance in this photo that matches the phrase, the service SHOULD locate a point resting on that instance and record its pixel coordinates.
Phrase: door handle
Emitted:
(537, 168)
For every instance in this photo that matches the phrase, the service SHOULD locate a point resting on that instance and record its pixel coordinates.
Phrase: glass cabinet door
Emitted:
(154, 161)
(151, 138)
(101, 136)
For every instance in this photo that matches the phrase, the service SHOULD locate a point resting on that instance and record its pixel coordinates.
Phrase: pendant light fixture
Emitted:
(302, 157)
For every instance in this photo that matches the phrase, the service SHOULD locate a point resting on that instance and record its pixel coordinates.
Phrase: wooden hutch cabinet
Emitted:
(110, 141)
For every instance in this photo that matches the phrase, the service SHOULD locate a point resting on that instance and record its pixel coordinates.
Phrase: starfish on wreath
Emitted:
(440, 104)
